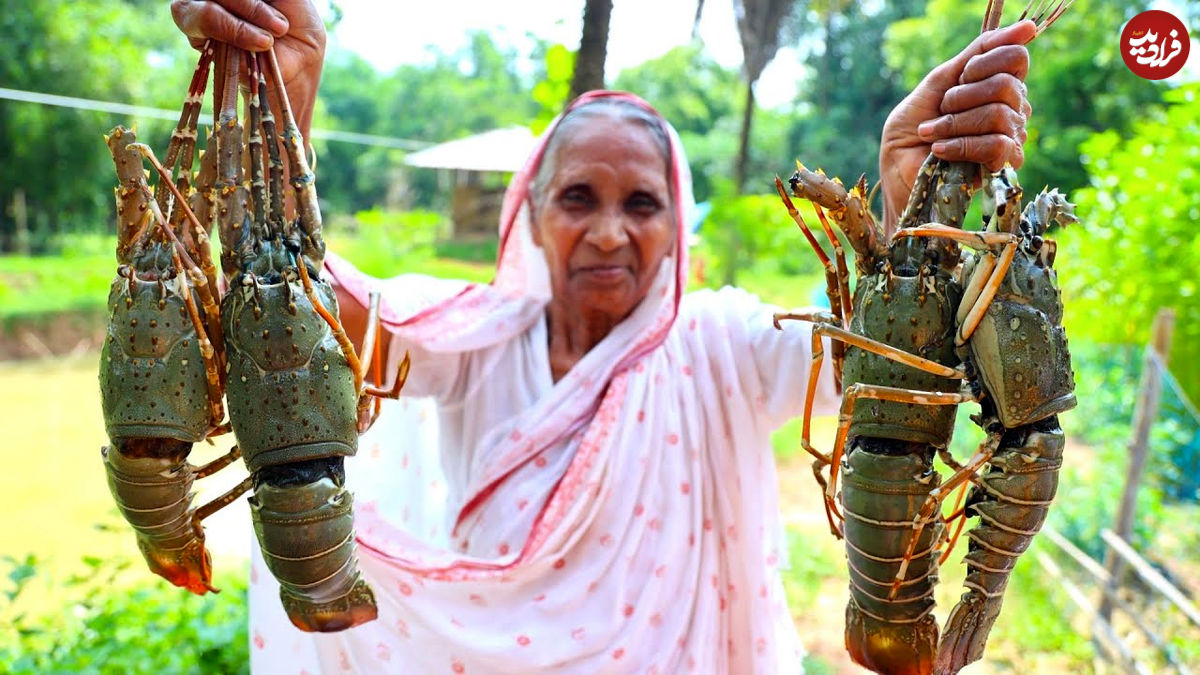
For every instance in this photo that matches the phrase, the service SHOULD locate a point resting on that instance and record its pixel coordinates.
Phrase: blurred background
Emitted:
(402, 80)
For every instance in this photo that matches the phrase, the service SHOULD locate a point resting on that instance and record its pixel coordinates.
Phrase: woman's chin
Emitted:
(617, 300)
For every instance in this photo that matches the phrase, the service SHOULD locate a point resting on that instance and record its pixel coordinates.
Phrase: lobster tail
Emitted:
(153, 493)
(1012, 499)
(884, 485)
(307, 537)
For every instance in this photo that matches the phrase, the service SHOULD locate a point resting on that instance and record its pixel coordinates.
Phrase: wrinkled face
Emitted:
(605, 219)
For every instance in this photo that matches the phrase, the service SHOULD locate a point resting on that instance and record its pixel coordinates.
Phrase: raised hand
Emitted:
(293, 26)
(972, 108)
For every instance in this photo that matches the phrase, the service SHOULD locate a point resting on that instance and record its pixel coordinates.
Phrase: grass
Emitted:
(57, 504)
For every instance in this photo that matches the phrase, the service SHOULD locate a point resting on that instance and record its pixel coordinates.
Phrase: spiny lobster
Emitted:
(923, 332)
(272, 344)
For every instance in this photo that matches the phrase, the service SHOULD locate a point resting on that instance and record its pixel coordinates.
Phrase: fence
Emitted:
(1125, 630)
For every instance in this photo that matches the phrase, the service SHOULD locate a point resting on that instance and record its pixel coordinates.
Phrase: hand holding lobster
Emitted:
(972, 108)
(924, 331)
(296, 387)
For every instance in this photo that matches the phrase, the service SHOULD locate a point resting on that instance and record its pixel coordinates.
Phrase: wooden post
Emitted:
(20, 214)
(1145, 410)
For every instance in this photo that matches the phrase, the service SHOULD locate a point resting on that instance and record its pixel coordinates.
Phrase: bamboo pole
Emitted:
(1097, 571)
(1104, 633)
(1145, 410)
(1151, 575)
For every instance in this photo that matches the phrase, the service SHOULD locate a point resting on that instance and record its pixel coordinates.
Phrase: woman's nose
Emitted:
(607, 232)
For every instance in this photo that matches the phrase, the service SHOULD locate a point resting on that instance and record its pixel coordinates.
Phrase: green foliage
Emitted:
(699, 97)
(1136, 249)
(849, 90)
(1036, 615)
(387, 242)
(474, 89)
(745, 230)
(77, 280)
(55, 156)
(1106, 378)
(551, 92)
(114, 628)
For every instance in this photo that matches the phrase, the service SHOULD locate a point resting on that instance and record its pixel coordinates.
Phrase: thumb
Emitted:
(947, 74)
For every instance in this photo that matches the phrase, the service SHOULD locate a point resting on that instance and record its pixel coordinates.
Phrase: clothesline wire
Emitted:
(164, 114)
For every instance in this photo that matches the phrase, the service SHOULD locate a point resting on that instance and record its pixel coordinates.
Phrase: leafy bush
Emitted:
(1137, 250)
(745, 231)
(386, 240)
(108, 627)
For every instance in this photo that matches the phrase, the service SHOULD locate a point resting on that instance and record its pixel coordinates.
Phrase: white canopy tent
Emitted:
(496, 150)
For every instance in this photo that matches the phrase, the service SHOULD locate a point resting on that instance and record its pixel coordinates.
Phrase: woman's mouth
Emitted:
(604, 274)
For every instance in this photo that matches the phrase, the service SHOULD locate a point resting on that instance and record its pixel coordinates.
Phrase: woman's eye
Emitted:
(575, 197)
(643, 203)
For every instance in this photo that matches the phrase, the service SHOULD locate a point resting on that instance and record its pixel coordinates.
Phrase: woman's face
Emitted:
(605, 221)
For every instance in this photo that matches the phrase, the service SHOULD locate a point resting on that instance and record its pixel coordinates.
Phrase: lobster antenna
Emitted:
(991, 16)
(1062, 7)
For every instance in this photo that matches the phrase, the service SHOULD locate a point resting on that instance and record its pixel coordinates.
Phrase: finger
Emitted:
(1011, 59)
(991, 150)
(947, 74)
(258, 13)
(993, 118)
(999, 88)
(202, 20)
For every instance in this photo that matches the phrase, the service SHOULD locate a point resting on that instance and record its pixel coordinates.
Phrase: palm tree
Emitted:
(593, 47)
(759, 25)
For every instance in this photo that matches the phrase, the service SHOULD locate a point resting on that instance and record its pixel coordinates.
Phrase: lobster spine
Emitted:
(1011, 499)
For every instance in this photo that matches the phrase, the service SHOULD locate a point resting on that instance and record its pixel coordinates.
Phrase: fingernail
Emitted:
(261, 41)
(925, 130)
(939, 148)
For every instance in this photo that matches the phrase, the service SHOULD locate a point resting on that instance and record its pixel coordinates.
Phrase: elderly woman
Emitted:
(603, 438)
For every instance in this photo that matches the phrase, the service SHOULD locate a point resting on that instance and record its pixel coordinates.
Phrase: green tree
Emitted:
(1136, 249)
(467, 91)
(593, 47)
(850, 89)
(698, 96)
(55, 156)
(763, 25)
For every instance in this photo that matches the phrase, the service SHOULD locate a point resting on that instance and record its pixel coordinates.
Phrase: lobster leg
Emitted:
(980, 304)
(843, 275)
(200, 281)
(836, 284)
(820, 460)
(934, 501)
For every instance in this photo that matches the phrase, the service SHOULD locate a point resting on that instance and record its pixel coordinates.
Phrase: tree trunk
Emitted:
(696, 21)
(593, 47)
(739, 170)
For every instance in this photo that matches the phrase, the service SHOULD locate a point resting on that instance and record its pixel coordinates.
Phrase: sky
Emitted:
(388, 34)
